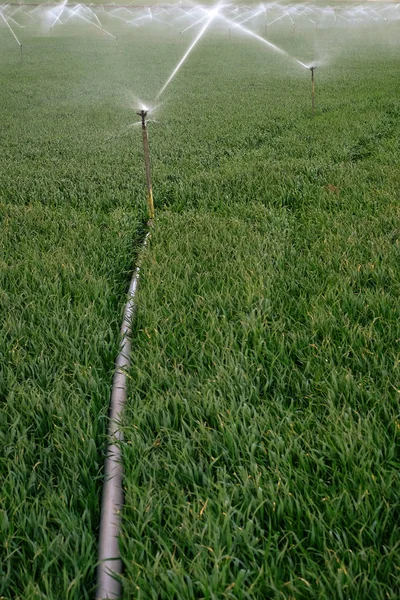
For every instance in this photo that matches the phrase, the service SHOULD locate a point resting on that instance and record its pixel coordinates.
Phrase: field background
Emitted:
(261, 430)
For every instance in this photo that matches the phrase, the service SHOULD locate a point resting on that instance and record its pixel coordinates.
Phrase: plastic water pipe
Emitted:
(109, 560)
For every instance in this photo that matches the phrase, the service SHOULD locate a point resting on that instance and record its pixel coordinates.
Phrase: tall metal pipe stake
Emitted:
(150, 201)
(312, 69)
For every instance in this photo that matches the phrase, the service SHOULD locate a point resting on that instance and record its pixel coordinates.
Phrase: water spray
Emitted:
(312, 69)
(194, 24)
(12, 32)
(75, 13)
(211, 16)
(150, 201)
(252, 16)
(263, 40)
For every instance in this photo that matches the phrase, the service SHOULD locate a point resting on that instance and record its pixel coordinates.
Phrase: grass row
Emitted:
(69, 225)
(261, 451)
(261, 436)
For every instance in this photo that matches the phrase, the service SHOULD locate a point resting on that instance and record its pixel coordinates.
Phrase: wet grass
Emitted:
(69, 214)
(260, 434)
(262, 457)
(261, 447)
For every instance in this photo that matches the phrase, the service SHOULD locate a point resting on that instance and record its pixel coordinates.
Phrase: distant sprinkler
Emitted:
(312, 69)
(150, 201)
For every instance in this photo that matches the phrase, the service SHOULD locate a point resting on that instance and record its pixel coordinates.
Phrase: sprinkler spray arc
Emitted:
(146, 149)
(312, 69)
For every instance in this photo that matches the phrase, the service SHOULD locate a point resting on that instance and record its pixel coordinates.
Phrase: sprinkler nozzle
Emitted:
(312, 69)
(143, 114)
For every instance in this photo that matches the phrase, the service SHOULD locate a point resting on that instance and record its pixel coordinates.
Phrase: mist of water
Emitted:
(212, 14)
(11, 29)
(266, 42)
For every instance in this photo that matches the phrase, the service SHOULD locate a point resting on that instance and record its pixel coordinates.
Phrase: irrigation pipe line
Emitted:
(109, 560)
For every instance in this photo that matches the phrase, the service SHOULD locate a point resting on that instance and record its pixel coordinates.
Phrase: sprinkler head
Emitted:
(143, 114)
(312, 69)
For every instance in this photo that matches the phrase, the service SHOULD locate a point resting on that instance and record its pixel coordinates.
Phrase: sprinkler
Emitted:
(312, 69)
(150, 201)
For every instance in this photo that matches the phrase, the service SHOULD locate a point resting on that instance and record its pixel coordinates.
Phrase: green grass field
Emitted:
(262, 426)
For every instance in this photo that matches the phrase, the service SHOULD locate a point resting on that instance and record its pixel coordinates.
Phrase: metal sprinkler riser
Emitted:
(312, 69)
(143, 115)
(150, 201)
